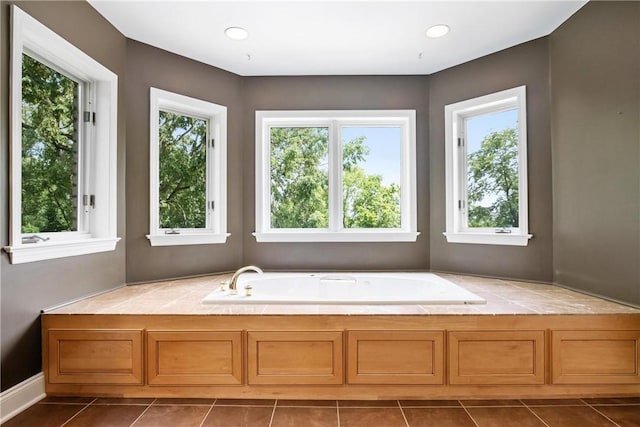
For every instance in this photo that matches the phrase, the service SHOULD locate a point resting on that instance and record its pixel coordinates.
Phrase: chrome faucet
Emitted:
(233, 285)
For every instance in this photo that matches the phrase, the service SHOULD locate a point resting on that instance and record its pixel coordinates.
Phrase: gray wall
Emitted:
(28, 288)
(595, 71)
(525, 64)
(337, 93)
(151, 67)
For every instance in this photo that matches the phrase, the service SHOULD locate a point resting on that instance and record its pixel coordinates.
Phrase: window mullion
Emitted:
(335, 177)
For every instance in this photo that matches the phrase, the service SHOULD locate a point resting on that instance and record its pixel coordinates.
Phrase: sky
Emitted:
(480, 126)
(384, 150)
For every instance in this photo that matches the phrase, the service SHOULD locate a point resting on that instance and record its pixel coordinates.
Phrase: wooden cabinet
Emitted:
(395, 357)
(595, 357)
(496, 357)
(94, 356)
(294, 357)
(194, 357)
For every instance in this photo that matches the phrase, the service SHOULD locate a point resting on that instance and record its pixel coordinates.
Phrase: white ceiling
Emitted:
(334, 37)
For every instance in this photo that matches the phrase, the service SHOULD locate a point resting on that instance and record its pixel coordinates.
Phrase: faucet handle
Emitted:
(224, 285)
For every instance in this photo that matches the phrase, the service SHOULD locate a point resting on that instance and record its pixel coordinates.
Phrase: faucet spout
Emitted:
(233, 284)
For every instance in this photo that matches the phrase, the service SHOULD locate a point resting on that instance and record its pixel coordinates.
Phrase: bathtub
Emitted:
(344, 288)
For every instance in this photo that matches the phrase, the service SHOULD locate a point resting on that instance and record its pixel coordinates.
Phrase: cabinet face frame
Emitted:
(597, 350)
(88, 342)
(497, 342)
(301, 345)
(434, 356)
(154, 357)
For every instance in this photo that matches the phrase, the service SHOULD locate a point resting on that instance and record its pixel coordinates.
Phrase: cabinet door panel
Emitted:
(194, 357)
(496, 357)
(395, 357)
(294, 357)
(95, 356)
(595, 357)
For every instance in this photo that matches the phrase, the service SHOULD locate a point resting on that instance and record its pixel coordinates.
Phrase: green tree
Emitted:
(300, 183)
(492, 191)
(299, 178)
(183, 171)
(49, 149)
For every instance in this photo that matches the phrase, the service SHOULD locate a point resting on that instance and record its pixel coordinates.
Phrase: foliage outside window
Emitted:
(335, 176)
(487, 169)
(188, 170)
(63, 147)
(50, 146)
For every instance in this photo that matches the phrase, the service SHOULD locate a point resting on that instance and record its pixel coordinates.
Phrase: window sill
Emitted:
(187, 239)
(489, 239)
(328, 236)
(41, 251)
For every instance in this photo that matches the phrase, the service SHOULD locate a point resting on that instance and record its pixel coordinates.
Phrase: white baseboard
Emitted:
(21, 396)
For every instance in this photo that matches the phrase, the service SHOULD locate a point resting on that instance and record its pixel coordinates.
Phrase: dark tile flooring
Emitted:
(103, 412)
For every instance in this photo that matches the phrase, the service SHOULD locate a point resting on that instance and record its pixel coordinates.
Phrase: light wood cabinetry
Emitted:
(496, 357)
(194, 357)
(595, 357)
(94, 356)
(342, 356)
(294, 357)
(395, 357)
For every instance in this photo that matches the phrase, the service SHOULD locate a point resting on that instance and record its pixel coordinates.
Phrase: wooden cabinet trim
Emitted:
(80, 356)
(295, 357)
(188, 363)
(496, 357)
(595, 357)
(417, 358)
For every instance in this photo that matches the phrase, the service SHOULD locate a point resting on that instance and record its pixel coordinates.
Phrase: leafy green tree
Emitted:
(300, 183)
(49, 149)
(182, 171)
(299, 177)
(493, 181)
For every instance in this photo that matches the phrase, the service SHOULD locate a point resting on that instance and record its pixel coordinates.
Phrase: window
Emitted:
(63, 147)
(188, 139)
(332, 176)
(486, 169)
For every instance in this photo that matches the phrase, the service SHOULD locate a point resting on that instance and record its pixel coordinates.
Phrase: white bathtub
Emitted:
(344, 288)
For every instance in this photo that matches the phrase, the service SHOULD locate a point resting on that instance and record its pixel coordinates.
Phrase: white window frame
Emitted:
(97, 225)
(456, 169)
(335, 120)
(215, 230)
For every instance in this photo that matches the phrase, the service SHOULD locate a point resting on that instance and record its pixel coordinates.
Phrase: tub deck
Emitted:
(184, 297)
(529, 340)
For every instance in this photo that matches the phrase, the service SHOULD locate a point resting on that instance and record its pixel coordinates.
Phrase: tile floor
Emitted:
(103, 412)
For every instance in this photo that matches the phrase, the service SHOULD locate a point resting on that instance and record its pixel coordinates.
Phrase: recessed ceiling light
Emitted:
(236, 33)
(437, 31)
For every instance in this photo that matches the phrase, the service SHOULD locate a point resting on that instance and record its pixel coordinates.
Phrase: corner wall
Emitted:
(525, 64)
(28, 288)
(147, 67)
(595, 100)
(337, 93)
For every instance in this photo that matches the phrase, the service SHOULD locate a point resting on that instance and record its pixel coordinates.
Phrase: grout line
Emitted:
(533, 412)
(143, 412)
(403, 415)
(467, 411)
(78, 413)
(614, 423)
(275, 405)
(207, 414)
(338, 411)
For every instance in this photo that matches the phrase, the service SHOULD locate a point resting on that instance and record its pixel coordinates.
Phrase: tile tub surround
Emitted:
(159, 340)
(184, 297)
(56, 412)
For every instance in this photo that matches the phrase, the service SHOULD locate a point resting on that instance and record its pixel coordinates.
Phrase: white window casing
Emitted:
(97, 157)
(456, 169)
(334, 120)
(216, 175)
